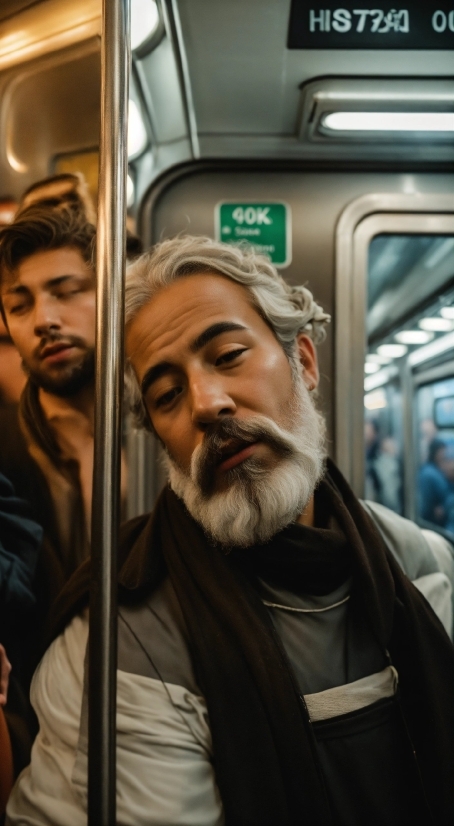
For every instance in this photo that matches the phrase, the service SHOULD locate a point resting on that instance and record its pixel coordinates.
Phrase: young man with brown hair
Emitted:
(47, 294)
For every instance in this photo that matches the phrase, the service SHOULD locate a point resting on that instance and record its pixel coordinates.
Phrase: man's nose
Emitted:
(210, 401)
(47, 319)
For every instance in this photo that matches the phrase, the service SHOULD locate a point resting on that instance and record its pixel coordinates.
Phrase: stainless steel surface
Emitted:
(47, 26)
(243, 87)
(359, 223)
(61, 91)
(174, 27)
(109, 390)
(10, 7)
(146, 474)
(62, 87)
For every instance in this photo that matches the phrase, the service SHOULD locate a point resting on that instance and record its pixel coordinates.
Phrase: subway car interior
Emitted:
(346, 123)
(322, 135)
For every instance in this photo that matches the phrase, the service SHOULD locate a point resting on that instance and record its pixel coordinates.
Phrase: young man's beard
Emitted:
(257, 499)
(70, 381)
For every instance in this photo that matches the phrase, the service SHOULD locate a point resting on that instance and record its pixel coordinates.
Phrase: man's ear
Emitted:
(308, 358)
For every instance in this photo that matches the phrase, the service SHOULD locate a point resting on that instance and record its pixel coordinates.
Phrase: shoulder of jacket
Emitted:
(405, 540)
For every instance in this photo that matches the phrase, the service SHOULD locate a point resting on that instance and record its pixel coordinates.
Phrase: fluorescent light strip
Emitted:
(380, 378)
(389, 121)
(436, 324)
(414, 336)
(435, 348)
(137, 136)
(395, 351)
(144, 21)
(371, 367)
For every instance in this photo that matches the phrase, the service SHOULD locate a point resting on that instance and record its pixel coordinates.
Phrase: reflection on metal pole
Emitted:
(109, 383)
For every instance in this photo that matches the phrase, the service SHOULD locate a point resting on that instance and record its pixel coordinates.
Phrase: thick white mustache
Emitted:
(259, 501)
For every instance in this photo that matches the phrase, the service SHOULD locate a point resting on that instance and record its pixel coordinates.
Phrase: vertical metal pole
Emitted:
(110, 264)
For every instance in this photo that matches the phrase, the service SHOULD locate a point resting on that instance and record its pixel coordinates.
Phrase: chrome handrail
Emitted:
(110, 265)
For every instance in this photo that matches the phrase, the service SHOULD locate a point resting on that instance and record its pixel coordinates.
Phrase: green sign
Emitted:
(266, 226)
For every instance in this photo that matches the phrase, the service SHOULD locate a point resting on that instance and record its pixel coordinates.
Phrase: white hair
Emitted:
(288, 310)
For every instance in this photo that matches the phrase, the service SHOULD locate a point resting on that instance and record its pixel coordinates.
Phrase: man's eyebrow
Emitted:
(60, 279)
(16, 289)
(164, 367)
(155, 373)
(213, 331)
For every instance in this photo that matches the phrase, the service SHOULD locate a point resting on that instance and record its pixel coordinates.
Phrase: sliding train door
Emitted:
(400, 424)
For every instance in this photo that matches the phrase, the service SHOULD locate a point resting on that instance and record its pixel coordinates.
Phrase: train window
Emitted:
(409, 419)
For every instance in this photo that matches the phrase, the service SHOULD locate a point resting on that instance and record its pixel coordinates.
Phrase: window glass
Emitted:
(409, 322)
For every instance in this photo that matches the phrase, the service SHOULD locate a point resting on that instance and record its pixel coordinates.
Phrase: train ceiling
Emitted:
(218, 82)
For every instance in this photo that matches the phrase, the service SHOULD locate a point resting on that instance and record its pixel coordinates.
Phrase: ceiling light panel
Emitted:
(144, 21)
(137, 135)
(374, 357)
(437, 325)
(389, 121)
(394, 351)
(371, 367)
(413, 337)
(380, 110)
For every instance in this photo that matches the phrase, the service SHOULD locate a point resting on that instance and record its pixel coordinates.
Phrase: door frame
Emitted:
(360, 221)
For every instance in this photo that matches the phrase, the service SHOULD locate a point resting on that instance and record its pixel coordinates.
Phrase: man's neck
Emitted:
(71, 419)
(307, 516)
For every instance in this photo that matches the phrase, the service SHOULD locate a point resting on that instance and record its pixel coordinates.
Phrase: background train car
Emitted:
(323, 135)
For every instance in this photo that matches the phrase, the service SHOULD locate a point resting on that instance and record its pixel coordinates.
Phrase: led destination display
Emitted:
(330, 25)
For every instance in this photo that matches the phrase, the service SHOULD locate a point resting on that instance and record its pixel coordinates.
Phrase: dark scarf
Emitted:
(264, 754)
(324, 565)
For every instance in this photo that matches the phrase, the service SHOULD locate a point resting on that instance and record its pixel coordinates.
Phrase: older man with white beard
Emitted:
(276, 666)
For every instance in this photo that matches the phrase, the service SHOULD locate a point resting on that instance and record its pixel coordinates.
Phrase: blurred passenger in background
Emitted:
(372, 446)
(62, 190)
(449, 504)
(383, 478)
(388, 471)
(434, 487)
